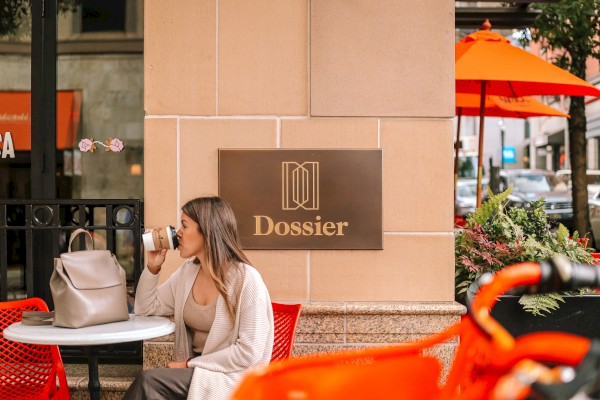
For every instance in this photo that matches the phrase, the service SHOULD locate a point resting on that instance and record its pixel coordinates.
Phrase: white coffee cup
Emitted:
(161, 238)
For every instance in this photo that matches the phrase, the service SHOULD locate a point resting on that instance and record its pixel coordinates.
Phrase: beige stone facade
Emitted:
(286, 74)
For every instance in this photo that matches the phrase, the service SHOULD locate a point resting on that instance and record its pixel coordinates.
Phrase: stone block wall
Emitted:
(319, 74)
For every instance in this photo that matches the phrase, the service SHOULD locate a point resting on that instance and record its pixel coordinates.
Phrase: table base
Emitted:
(93, 376)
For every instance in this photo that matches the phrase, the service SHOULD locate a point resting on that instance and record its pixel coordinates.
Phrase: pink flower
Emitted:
(86, 145)
(115, 145)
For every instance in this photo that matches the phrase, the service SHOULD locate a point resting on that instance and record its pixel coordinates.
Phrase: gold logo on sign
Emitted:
(300, 185)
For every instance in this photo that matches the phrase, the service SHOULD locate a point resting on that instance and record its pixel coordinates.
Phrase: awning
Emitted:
(15, 117)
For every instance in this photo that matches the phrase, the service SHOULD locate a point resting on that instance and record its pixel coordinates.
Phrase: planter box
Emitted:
(579, 315)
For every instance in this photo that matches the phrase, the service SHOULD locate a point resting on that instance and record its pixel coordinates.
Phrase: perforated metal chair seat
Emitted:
(29, 371)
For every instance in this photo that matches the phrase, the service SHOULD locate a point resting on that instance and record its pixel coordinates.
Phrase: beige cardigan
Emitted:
(231, 348)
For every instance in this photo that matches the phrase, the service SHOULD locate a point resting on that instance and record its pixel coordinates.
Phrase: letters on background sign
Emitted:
(8, 149)
(266, 226)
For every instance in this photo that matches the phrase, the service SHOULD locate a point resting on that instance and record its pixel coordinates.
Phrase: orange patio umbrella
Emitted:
(508, 107)
(498, 106)
(487, 64)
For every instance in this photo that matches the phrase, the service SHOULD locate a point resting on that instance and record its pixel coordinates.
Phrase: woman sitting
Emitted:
(221, 308)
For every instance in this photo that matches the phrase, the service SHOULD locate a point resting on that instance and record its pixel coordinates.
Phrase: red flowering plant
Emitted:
(496, 236)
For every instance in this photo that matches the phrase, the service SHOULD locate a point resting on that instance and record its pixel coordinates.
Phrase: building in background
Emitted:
(100, 56)
(549, 139)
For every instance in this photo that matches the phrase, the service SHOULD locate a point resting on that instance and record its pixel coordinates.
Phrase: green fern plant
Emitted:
(538, 304)
(491, 207)
(496, 236)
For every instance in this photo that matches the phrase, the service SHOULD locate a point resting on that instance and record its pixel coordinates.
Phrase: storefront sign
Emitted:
(509, 154)
(304, 199)
(8, 148)
(15, 117)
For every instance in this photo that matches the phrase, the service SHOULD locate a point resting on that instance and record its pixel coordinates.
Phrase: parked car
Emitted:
(594, 204)
(593, 179)
(466, 196)
(529, 185)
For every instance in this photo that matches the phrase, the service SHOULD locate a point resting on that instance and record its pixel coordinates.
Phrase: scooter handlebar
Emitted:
(554, 275)
(559, 273)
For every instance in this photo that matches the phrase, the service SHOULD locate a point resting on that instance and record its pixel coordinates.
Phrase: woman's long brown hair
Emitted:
(217, 224)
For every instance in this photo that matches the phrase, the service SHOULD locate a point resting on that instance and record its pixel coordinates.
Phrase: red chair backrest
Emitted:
(28, 371)
(459, 221)
(285, 317)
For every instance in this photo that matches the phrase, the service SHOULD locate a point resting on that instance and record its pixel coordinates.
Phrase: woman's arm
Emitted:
(152, 299)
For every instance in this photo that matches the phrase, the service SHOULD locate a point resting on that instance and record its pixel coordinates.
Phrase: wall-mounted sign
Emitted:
(509, 154)
(304, 199)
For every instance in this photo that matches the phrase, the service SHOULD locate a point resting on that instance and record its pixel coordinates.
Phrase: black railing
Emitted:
(34, 232)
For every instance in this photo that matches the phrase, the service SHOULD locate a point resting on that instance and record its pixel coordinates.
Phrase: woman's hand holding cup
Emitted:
(156, 258)
(157, 242)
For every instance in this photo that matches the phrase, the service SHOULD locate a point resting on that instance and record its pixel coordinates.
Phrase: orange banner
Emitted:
(15, 117)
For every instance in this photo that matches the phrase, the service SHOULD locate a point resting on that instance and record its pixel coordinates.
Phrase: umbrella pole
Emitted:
(480, 156)
(456, 149)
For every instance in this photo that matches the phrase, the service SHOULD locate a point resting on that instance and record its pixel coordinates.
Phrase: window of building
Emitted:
(102, 16)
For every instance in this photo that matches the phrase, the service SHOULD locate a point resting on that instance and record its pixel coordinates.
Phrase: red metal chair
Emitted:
(29, 371)
(286, 318)
(459, 221)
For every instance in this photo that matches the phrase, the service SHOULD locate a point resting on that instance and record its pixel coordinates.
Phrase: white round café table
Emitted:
(136, 328)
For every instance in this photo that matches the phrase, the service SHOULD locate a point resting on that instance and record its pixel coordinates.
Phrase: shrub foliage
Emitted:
(495, 237)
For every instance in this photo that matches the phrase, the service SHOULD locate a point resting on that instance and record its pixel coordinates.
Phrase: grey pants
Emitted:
(161, 384)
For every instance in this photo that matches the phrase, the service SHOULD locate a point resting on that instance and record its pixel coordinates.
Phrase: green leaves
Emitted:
(572, 26)
(562, 235)
(539, 304)
(14, 12)
(495, 237)
(533, 220)
(489, 208)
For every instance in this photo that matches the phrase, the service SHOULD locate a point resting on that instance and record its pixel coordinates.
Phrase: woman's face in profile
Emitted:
(191, 241)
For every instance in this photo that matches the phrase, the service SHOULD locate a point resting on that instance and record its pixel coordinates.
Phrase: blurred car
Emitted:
(466, 196)
(594, 204)
(593, 180)
(529, 185)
